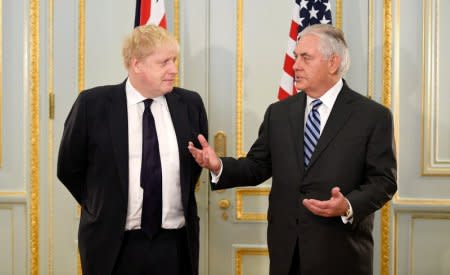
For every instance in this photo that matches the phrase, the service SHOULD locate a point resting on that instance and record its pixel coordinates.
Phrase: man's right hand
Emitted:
(205, 157)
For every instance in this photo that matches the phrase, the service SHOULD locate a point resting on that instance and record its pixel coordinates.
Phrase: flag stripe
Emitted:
(305, 13)
(150, 12)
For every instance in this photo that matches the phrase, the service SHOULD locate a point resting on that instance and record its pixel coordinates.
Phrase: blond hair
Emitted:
(143, 41)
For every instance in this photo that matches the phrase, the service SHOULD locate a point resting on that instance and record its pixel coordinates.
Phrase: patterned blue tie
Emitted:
(312, 131)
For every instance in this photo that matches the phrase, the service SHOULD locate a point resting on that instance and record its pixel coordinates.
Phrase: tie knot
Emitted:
(148, 102)
(316, 103)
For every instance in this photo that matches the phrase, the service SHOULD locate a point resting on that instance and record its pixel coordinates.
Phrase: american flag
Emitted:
(150, 12)
(306, 12)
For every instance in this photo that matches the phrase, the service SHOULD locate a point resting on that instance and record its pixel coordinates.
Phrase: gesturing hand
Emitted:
(205, 157)
(336, 206)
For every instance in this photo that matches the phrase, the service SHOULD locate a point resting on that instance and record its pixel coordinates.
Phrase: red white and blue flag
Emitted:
(150, 12)
(306, 12)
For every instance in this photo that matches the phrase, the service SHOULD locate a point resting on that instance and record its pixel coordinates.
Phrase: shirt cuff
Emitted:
(215, 178)
(348, 218)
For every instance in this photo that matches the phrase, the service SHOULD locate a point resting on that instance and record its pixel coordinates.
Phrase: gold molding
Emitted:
(431, 165)
(50, 138)
(81, 43)
(13, 193)
(386, 100)
(240, 214)
(239, 79)
(34, 138)
(81, 66)
(339, 14)
(371, 54)
(176, 32)
(1, 83)
(421, 202)
(241, 252)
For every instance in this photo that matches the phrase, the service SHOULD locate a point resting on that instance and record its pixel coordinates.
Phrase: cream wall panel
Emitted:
(13, 172)
(430, 245)
(13, 239)
(436, 119)
(408, 84)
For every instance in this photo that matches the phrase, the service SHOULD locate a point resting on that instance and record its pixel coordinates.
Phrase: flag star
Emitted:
(328, 5)
(304, 4)
(324, 20)
(313, 13)
(300, 22)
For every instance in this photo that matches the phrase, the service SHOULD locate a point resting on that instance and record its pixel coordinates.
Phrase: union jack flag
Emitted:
(150, 12)
(306, 12)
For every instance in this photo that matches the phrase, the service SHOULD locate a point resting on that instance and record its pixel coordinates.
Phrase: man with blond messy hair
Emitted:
(124, 158)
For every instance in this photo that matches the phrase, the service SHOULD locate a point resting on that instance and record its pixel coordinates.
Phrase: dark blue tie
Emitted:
(312, 131)
(151, 178)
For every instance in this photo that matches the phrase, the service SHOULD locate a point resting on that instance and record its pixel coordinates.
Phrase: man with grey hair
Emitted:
(329, 151)
(124, 158)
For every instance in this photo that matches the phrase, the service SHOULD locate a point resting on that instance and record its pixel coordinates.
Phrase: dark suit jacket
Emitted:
(354, 152)
(93, 165)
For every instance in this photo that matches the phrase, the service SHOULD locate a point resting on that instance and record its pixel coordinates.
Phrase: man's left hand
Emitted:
(336, 206)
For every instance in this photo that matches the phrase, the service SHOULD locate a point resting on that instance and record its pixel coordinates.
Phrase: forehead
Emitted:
(308, 43)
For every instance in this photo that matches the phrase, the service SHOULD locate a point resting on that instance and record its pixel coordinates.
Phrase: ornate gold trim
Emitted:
(240, 214)
(34, 138)
(239, 79)
(421, 202)
(176, 33)
(241, 252)
(371, 54)
(339, 14)
(386, 100)
(81, 65)
(81, 43)
(13, 194)
(1, 84)
(50, 138)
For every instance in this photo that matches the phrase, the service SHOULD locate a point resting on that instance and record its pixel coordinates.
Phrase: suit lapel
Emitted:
(338, 116)
(180, 119)
(118, 124)
(296, 118)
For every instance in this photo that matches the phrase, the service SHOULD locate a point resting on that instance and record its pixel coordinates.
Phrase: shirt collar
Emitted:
(329, 97)
(135, 97)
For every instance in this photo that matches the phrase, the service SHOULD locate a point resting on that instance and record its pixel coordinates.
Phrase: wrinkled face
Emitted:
(157, 72)
(312, 70)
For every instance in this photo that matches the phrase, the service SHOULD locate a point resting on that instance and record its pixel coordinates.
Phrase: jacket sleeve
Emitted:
(72, 157)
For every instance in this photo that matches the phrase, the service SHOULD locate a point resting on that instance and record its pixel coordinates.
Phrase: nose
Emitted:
(297, 65)
(173, 67)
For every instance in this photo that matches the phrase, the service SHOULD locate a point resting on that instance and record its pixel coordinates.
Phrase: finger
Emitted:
(319, 204)
(203, 141)
(336, 192)
(316, 210)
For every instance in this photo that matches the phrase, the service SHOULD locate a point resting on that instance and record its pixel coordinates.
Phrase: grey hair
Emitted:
(332, 41)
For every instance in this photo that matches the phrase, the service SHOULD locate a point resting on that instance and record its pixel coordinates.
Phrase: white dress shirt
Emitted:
(172, 209)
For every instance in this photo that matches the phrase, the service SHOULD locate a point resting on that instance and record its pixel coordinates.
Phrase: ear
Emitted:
(136, 65)
(333, 64)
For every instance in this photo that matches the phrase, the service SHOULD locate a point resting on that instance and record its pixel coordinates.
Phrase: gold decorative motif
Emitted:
(339, 14)
(241, 252)
(421, 202)
(240, 193)
(386, 100)
(220, 144)
(34, 136)
(239, 79)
